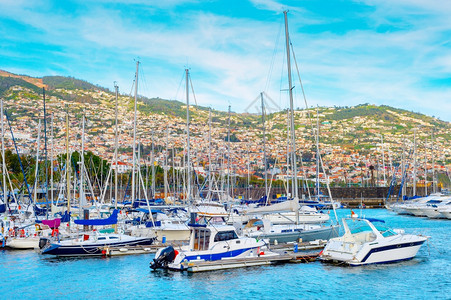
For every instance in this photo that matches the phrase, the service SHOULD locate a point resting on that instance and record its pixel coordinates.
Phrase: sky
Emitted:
(347, 53)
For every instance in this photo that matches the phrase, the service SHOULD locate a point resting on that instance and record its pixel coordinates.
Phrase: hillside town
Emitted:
(355, 150)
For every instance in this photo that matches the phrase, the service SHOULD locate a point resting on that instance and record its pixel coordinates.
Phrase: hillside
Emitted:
(350, 137)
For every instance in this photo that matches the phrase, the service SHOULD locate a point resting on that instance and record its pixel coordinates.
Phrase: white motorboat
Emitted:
(210, 243)
(286, 233)
(433, 211)
(306, 215)
(22, 243)
(365, 243)
(28, 237)
(445, 211)
(417, 206)
(166, 228)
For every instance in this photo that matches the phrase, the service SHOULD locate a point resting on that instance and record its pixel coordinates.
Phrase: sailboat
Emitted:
(92, 243)
(262, 227)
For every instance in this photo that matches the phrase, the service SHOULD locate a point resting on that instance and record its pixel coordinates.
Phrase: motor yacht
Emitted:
(210, 242)
(368, 241)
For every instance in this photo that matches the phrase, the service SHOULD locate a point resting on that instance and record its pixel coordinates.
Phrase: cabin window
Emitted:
(201, 239)
(225, 236)
(102, 238)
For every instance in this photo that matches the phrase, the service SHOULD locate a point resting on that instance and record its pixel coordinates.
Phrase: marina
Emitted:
(304, 192)
(123, 277)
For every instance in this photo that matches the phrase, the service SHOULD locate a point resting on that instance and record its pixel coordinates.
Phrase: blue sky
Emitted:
(349, 52)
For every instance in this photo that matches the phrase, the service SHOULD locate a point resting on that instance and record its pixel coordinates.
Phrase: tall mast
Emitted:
(138, 169)
(290, 90)
(51, 159)
(165, 173)
(188, 157)
(434, 184)
(210, 182)
(153, 166)
(403, 170)
(288, 155)
(134, 135)
(248, 170)
(82, 164)
(173, 172)
(317, 154)
(116, 146)
(5, 197)
(45, 147)
(414, 161)
(264, 147)
(67, 161)
(425, 170)
(228, 156)
(383, 159)
(36, 172)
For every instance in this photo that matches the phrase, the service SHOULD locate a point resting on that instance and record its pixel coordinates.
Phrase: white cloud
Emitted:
(229, 57)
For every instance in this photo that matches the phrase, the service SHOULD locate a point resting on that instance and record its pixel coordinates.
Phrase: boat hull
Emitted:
(95, 249)
(324, 233)
(303, 218)
(389, 254)
(446, 214)
(23, 243)
(371, 253)
(168, 234)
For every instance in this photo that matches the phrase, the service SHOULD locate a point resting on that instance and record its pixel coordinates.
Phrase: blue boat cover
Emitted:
(375, 220)
(65, 217)
(97, 222)
(145, 210)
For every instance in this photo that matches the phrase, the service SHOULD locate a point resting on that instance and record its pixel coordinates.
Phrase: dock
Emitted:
(118, 251)
(202, 266)
(279, 248)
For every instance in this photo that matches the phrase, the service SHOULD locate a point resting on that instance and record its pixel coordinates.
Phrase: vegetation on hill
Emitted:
(7, 82)
(70, 83)
(361, 111)
(157, 105)
(338, 121)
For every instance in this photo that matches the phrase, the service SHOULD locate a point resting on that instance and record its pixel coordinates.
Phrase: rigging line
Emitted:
(302, 86)
(282, 72)
(180, 84)
(131, 89)
(271, 65)
(144, 87)
(309, 116)
(192, 88)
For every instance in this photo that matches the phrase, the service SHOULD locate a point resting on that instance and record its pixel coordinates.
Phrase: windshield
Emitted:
(357, 226)
(385, 231)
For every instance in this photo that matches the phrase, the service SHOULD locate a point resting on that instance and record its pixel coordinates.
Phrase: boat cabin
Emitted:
(366, 230)
(205, 237)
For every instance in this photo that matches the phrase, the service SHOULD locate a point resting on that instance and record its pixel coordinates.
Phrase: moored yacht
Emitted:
(210, 243)
(365, 243)
(91, 244)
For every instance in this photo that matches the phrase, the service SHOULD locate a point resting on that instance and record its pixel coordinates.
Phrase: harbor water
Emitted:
(29, 275)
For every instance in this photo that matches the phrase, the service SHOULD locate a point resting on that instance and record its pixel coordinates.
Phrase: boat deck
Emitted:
(286, 257)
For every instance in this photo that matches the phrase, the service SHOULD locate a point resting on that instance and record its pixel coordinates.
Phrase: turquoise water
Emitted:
(28, 275)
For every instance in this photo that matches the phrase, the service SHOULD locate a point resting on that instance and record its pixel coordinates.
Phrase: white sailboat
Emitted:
(294, 231)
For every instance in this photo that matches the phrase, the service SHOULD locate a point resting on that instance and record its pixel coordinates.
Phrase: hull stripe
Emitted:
(390, 247)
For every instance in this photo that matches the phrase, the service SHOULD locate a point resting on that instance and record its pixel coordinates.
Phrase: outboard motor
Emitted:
(43, 242)
(163, 258)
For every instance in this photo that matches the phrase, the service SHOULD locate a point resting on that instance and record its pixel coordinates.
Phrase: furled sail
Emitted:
(97, 222)
(286, 206)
